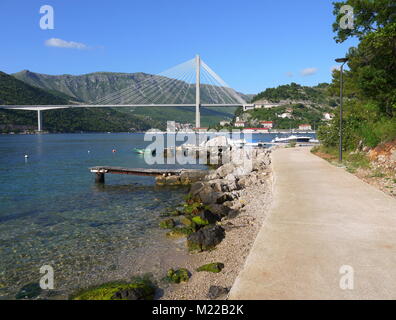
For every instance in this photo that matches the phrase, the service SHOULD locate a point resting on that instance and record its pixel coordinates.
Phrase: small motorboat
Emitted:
(302, 139)
(143, 151)
(140, 151)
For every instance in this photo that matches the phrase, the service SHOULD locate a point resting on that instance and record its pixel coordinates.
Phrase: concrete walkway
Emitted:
(322, 218)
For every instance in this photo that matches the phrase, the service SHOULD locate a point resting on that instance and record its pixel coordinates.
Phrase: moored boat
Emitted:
(292, 138)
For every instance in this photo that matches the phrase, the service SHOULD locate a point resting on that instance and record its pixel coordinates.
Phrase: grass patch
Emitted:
(377, 174)
(351, 160)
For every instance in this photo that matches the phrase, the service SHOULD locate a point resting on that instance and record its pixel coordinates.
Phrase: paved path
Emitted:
(322, 218)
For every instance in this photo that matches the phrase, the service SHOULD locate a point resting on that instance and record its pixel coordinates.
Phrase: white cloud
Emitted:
(289, 74)
(308, 71)
(59, 43)
(335, 68)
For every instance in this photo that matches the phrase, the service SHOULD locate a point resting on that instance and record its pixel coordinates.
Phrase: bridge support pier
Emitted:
(197, 92)
(39, 121)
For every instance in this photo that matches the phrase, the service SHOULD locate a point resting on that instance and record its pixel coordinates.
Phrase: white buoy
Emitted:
(26, 156)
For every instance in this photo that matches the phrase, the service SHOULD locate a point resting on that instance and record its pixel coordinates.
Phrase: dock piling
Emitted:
(100, 177)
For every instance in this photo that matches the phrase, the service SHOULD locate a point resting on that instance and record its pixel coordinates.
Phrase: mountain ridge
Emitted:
(97, 85)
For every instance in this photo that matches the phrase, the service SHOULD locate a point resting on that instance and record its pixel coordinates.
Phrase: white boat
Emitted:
(292, 138)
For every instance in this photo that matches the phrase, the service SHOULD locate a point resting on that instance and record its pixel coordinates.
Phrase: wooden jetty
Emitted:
(102, 170)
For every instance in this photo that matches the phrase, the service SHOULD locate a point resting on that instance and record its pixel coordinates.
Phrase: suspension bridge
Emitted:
(189, 84)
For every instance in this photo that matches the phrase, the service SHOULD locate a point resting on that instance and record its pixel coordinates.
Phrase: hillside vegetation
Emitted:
(94, 86)
(296, 93)
(13, 91)
(303, 105)
(370, 82)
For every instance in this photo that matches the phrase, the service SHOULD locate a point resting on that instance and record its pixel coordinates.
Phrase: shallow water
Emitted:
(51, 211)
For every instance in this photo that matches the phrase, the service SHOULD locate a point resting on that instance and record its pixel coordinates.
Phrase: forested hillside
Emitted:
(298, 105)
(13, 91)
(369, 78)
(95, 86)
(297, 93)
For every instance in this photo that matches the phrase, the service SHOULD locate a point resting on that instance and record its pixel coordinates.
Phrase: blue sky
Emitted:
(251, 44)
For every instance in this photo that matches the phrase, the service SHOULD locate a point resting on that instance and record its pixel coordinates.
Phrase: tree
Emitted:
(370, 84)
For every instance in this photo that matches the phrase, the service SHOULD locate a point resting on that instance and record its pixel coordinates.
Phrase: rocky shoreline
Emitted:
(236, 198)
(219, 221)
(252, 197)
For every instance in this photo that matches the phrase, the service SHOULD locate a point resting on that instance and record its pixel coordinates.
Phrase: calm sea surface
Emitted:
(52, 213)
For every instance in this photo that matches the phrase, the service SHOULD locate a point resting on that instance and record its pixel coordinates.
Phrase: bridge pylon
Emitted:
(197, 91)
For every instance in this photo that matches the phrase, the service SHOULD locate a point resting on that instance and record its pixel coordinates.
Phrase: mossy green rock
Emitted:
(193, 208)
(171, 213)
(29, 291)
(205, 238)
(167, 224)
(199, 221)
(138, 290)
(215, 267)
(175, 213)
(186, 221)
(179, 232)
(177, 276)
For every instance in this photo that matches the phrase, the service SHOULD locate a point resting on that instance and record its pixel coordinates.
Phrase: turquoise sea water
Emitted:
(52, 212)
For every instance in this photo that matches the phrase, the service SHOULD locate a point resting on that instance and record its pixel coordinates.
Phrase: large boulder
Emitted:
(242, 171)
(196, 188)
(216, 185)
(212, 175)
(219, 209)
(188, 177)
(262, 161)
(139, 289)
(130, 294)
(225, 197)
(209, 216)
(247, 181)
(225, 169)
(208, 196)
(177, 276)
(216, 292)
(206, 238)
(229, 185)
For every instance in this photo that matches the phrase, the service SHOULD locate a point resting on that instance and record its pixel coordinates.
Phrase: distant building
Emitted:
(247, 107)
(170, 126)
(239, 124)
(285, 115)
(304, 127)
(224, 123)
(328, 116)
(266, 124)
(200, 129)
(265, 104)
(185, 127)
(255, 130)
